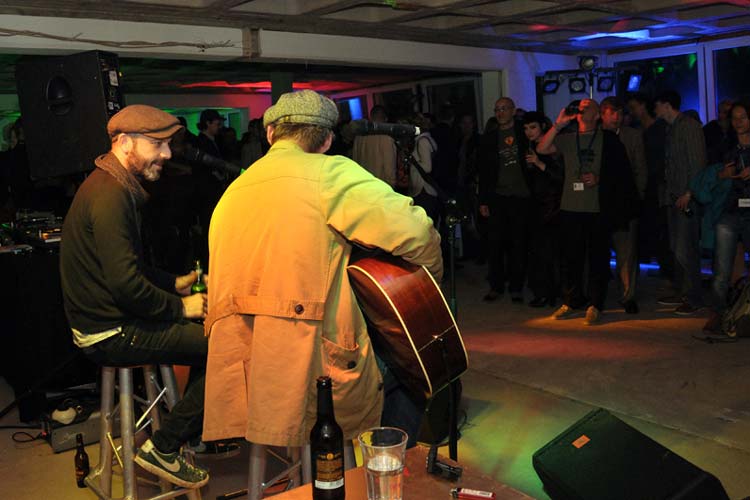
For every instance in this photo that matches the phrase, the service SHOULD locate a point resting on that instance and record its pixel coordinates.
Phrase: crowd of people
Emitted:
(549, 200)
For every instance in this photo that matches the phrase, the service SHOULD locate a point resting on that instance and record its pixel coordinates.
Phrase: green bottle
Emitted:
(199, 286)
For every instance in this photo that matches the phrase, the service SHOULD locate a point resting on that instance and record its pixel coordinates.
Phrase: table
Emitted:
(418, 484)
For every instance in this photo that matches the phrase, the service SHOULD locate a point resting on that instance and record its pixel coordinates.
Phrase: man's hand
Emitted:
(195, 306)
(484, 210)
(563, 119)
(727, 172)
(743, 175)
(683, 201)
(182, 284)
(589, 179)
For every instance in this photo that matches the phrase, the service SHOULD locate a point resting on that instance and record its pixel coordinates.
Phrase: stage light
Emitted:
(634, 82)
(605, 83)
(587, 63)
(577, 85)
(550, 86)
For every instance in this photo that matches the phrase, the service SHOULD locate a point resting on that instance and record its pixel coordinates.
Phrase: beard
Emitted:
(145, 168)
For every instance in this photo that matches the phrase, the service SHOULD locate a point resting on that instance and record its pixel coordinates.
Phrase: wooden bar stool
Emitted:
(298, 467)
(99, 480)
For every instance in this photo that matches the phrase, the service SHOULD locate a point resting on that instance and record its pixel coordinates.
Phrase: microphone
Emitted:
(363, 127)
(194, 155)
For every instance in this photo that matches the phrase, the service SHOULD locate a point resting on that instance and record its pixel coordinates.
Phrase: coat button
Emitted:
(299, 309)
(351, 364)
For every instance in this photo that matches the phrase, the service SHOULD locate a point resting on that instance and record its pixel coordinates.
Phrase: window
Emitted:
(677, 72)
(731, 73)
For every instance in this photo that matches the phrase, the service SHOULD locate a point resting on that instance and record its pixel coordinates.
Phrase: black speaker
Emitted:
(65, 105)
(600, 456)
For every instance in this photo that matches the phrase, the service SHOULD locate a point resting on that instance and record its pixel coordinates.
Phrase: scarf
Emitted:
(110, 164)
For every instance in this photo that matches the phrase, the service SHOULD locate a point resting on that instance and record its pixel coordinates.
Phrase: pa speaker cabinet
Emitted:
(600, 456)
(66, 103)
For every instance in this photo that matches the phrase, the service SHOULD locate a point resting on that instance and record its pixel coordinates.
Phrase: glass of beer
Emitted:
(384, 451)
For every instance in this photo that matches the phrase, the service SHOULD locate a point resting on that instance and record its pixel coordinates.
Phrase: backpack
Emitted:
(736, 320)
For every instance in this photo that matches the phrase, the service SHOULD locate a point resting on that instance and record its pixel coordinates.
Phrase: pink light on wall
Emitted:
(265, 86)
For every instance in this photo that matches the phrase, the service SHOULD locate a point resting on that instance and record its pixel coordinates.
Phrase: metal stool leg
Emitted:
(172, 395)
(153, 394)
(127, 424)
(257, 471)
(100, 479)
(306, 465)
(349, 461)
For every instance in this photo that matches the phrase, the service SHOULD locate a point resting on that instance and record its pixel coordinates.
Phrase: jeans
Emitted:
(729, 229)
(161, 342)
(585, 240)
(684, 240)
(626, 252)
(400, 408)
(507, 236)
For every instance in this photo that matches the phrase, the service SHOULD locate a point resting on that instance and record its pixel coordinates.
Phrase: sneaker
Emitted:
(593, 316)
(713, 325)
(215, 449)
(686, 309)
(672, 300)
(563, 312)
(631, 307)
(170, 466)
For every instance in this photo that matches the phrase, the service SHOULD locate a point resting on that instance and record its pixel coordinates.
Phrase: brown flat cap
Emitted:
(145, 120)
(304, 106)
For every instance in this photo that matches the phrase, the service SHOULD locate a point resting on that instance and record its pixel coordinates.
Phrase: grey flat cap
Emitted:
(305, 106)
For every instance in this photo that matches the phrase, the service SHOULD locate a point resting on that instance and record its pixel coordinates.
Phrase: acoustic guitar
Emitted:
(410, 322)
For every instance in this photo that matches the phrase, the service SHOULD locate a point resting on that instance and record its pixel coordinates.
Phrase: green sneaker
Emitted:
(170, 466)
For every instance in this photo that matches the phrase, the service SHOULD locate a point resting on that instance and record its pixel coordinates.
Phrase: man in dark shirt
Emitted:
(122, 311)
(505, 199)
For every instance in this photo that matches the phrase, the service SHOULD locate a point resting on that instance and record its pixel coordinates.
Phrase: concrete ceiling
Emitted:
(565, 27)
(556, 26)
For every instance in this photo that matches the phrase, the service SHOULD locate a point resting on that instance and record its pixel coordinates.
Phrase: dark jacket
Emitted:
(546, 188)
(489, 162)
(105, 281)
(619, 201)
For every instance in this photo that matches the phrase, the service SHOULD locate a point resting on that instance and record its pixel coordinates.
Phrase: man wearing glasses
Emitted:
(505, 199)
(122, 311)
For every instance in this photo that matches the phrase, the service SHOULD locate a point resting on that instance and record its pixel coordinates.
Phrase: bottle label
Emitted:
(329, 471)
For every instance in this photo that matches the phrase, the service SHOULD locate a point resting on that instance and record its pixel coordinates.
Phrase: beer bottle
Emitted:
(200, 285)
(327, 448)
(81, 461)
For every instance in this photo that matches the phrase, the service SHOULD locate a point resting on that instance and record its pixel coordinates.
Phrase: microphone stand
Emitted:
(452, 218)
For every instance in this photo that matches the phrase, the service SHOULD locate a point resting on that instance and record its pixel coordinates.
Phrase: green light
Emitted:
(659, 69)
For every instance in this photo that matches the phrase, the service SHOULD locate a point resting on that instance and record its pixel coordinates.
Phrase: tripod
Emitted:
(453, 217)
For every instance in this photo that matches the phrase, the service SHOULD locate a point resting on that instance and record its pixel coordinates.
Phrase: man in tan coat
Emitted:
(281, 308)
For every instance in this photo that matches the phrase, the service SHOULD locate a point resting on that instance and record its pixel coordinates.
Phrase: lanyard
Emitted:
(589, 148)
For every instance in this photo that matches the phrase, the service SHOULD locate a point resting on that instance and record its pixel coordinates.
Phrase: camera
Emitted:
(572, 110)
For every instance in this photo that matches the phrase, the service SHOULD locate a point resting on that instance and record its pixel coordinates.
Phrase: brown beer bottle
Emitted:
(81, 461)
(327, 448)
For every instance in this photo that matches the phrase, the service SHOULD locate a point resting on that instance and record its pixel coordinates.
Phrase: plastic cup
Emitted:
(384, 453)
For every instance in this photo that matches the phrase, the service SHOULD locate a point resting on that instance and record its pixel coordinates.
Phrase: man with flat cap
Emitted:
(281, 309)
(121, 310)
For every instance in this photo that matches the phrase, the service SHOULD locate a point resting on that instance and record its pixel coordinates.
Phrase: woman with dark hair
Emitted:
(546, 186)
(733, 223)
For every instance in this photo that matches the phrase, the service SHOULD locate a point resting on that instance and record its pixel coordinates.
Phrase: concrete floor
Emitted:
(530, 378)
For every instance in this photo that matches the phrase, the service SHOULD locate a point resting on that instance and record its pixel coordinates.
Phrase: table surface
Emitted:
(418, 484)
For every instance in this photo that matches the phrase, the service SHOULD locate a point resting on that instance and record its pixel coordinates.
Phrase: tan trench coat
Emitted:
(281, 309)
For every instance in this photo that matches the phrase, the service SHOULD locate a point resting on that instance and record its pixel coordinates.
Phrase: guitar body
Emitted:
(410, 322)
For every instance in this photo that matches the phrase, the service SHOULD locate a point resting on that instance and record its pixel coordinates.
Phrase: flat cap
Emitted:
(305, 106)
(145, 120)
